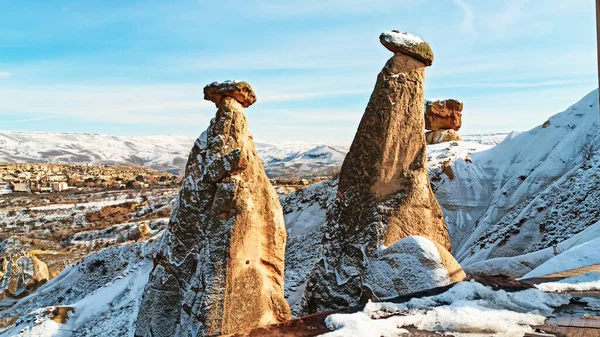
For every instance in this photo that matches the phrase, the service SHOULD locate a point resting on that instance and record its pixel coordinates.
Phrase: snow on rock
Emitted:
(401, 38)
(104, 291)
(585, 282)
(584, 255)
(410, 265)
(467, 309)
(398, 41)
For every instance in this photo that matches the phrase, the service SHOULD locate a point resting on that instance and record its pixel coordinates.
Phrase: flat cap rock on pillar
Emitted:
(398, 41)
(241, 91)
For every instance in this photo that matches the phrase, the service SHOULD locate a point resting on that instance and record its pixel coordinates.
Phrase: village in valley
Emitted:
(49, 178)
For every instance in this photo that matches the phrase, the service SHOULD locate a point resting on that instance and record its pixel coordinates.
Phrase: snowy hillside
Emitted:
(163, 153)
(530, 192)
(98, 296)
(301, 159)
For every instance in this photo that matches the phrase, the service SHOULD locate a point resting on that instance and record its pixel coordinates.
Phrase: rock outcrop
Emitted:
(410, 265)
(443, 118)
(442, 136)
(21, 274)
(443, 114)
(220, 266)
(384, 194)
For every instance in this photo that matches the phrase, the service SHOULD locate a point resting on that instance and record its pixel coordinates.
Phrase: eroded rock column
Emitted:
(384, 193)
(221, 261)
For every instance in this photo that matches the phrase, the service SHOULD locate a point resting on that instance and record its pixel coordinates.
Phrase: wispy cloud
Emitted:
(283, 97)
(4, 74)
(29, 120)
(548, 83)
(468, 23)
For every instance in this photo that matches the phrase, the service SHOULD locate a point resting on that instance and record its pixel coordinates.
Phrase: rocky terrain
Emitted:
(40, 236)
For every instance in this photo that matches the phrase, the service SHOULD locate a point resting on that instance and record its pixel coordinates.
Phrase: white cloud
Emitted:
(4, 74)
(154, 104)
(282, 97)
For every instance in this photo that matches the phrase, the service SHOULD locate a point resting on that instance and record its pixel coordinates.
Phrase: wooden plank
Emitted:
(579, 322)
(562, 331)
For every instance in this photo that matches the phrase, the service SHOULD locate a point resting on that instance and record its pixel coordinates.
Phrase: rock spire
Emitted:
(383, 193)
(220, 264)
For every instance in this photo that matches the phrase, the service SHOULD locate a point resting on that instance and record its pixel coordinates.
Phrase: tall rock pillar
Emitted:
(384, 193)
(221, 260)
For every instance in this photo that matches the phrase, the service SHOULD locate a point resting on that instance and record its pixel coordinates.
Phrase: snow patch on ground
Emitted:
(467, 309)
(585, 282)
(584, 255)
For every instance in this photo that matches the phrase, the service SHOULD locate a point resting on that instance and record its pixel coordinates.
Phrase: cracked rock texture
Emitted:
(221, 262)
(384, 194)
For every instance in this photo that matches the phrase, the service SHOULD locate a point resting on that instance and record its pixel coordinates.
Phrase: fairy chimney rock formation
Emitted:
(220, 265)
(443, 118)
(384, 193)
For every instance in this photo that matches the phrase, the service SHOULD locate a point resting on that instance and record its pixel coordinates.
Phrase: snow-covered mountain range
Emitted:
(169, 153)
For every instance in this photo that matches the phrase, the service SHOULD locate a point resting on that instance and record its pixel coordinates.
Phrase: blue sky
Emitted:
(138, 67)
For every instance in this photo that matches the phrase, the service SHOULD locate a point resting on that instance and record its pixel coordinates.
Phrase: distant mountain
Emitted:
(163, 153)
(170, 153)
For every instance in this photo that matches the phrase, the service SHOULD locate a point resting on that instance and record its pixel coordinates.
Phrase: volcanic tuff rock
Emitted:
(384, 193)
(410, 265)
(442, 136)
(21, 274)
(443, 114)
(398, 41)
(241, 91)
(221, 262)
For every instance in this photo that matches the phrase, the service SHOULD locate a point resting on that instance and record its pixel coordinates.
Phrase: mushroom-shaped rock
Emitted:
(443, 114)
(239, 90)
(398, 41)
